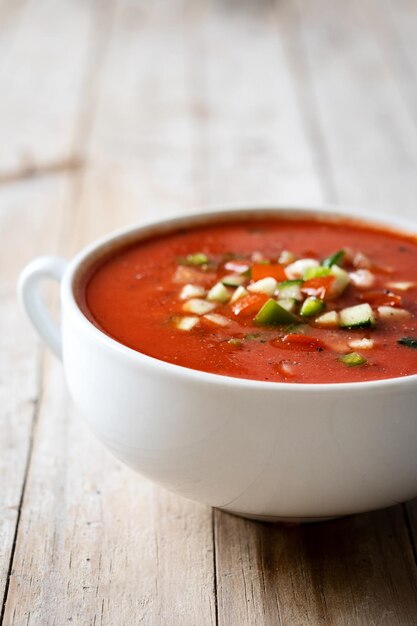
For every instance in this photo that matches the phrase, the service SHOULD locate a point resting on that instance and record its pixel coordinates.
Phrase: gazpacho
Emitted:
(300, 300)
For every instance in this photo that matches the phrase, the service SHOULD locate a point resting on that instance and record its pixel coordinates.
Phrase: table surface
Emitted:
(115, 111)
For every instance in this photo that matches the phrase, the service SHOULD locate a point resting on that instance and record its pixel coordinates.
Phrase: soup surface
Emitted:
(280, 300)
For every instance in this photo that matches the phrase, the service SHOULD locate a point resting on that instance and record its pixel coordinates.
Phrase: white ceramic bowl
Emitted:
(265, 450)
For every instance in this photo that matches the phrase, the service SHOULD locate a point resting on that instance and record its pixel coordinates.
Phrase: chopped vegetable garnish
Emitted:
(352, 359)
(381, 298)
(410, 342)
(316, 272)
(341, 281)
(234, 280)
(199, 258)
(401, 286)
(286, 257)
(192, 291)
(290, 289)
(318, 287)
(273, 314)
(240, 292)
(389, 312)
(199, 307)
(249, 305)
(359, 316)
(216, 319)
(289, 304)
(186, 323)
(311, 306)
(364, 344)
(362, 279)
(240, 267)
(219, 293)
(328, 320)
(235, 342)
(334, 259)
(265, 285)
(299, 268)
(296, 341)
(260, 270)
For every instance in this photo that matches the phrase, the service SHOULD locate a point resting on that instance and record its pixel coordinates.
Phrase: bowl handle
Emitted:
(44, 267)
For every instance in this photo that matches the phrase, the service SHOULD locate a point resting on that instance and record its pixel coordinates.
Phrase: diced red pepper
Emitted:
(298, 342)
(381, 298)
(264, 270)
(317, 287)
(249, 305)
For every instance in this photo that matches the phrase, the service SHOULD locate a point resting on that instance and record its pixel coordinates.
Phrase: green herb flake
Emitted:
(410, 342)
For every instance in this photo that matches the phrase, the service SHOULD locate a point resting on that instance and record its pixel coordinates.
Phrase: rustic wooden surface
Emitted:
(116, 110)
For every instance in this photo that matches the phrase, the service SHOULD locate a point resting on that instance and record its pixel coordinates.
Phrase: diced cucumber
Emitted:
(334, 259)
(240, 292)
(352, 359)
(219, 293)
(328, 320)
(392, 313)
(272, 314)
(235, 342)
(234, 280)
(266, 285)
(192, 291)
(361, 344)
(199, 307)
(290, 289)
(410, 342)
(186, 323)
(299, 268)
(311, 306)
(341, 281)
(216, 318)
(316, 272)
(359, 316)
(289, 304)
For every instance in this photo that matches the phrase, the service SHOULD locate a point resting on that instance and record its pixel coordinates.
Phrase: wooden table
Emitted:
(118, 110)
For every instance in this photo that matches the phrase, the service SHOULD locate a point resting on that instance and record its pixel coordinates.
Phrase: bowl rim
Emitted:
(215, 213)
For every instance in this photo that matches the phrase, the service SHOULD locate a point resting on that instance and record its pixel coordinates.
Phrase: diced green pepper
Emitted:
(272, 314)
(352, 359)
(334, 259)
(311, 306)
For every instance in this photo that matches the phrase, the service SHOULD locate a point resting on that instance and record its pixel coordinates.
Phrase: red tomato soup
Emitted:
(280, 300)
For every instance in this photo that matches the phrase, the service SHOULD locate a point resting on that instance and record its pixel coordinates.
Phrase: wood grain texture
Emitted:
(161, 107)
(114, 549)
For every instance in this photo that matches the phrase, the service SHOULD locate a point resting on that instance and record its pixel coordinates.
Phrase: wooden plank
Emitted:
(24, 212)
(43, 47)
(30, 214)
(368, 133)
(348, 571)
(358, 570)
(253, 139)
(115, 548)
